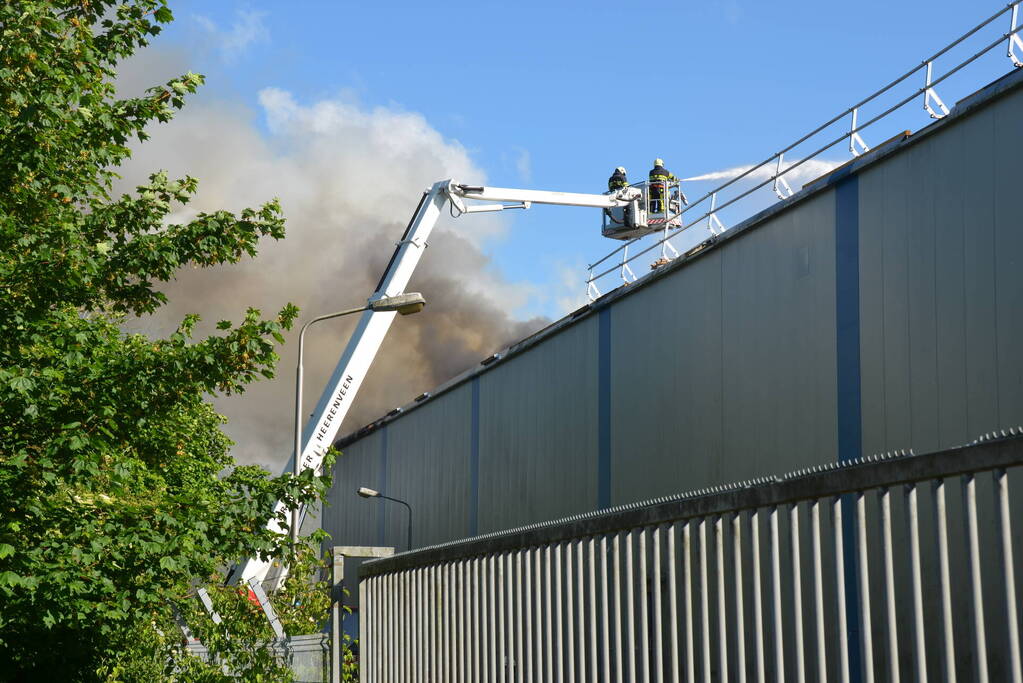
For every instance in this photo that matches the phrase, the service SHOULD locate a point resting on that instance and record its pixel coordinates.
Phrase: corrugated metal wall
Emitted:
(882, 309)
(726, 369)
(538, 436)
(941, 244)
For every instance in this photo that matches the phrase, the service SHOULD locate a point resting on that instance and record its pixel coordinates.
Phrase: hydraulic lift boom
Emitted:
(344, 384)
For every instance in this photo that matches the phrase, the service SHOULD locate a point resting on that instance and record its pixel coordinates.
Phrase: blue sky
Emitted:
(553, 95)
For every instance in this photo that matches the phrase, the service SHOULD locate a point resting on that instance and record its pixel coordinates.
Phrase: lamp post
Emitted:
(366, 492)
(404, 304)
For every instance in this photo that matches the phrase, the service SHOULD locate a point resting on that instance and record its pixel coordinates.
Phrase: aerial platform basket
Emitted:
(657, 208)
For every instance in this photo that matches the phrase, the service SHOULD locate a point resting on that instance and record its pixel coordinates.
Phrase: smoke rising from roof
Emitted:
(348, 179)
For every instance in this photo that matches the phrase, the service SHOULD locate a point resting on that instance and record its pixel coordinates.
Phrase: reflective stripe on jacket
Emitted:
(617, 181)
(660, 173)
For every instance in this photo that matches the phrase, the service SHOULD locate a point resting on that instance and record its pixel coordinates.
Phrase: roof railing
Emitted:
(932, 104)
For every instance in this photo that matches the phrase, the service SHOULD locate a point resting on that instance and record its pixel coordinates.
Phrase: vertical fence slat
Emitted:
(447, 673)
(630, 611)
(673, 604)
(548, 613)
(492, 563)
(410, 628)
(843, 624)
(559, 647)
(919, 631)
(529, 616)
(758, 603)
(592, 604)
(973, 565)
(866, 629)
(366, 628)
(570, 626)
(421, 627)
(797, 594)
(616, 567)
(941, 530)
(719, 550)
(541, 636)
(658, 652)
(1001, 481)
(644, 621)
(704, 602)
(520, 618)
(422, 641)
(605, 610)
(477, 629)
(406, 632)
(432, 614)
(396, 658)
(502, 624)
(775, 543)
(687, 572)
(818, 591)
(467, 621)
(406, 636)
(889, 584)
(581, 608)
(740, 616)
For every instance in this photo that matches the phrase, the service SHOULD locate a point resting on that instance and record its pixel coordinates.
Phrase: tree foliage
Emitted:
(117, 487)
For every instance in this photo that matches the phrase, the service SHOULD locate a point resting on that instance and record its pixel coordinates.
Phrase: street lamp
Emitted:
(403, 304)
(366, 492)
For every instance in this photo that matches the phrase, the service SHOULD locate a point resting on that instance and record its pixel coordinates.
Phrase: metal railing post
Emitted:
(932, 103)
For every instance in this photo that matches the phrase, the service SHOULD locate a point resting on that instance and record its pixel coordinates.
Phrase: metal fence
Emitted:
(887, 568)
(308, 656)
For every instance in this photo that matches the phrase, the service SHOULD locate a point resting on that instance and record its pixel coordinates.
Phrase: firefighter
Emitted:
(617, 180)
(659, 177)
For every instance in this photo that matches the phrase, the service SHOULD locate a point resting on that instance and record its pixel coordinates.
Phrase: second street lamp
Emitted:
(403, 304)
(367, 492)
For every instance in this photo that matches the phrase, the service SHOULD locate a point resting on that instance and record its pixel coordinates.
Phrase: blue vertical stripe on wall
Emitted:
(847, 356)
(604, 409)
(847, 310)
(382, 487)
(474, 460)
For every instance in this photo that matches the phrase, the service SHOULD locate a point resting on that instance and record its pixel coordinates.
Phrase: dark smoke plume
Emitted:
(348, 179)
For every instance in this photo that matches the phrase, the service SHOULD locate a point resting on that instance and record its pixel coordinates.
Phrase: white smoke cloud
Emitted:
(811, 169)
(348, 179)
(247, 29)
(524, 165)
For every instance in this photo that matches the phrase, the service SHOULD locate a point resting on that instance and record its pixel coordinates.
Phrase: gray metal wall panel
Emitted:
(950, 288)
(1007, 166)
(538, 431)
(979, 285)
(779, 343)
(351, 520)
(666, 409)
(921, 277)
(941, 283)
(428, 454)
(726, 369)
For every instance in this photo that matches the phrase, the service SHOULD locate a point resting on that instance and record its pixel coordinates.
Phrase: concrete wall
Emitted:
(880, 308)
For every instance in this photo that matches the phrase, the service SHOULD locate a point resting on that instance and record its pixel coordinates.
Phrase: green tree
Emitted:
(118, 492)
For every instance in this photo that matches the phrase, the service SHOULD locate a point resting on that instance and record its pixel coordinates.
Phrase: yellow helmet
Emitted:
(658, 162)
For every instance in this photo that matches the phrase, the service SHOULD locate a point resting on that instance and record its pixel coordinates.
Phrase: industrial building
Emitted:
(879, 308)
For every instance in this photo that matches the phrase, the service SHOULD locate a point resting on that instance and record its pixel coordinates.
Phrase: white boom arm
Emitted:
(351, 369)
